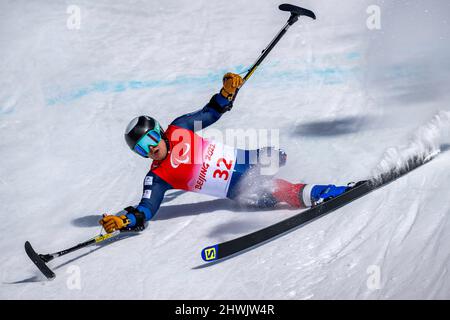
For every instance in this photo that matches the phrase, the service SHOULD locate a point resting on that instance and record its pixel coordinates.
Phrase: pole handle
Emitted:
(296, 11)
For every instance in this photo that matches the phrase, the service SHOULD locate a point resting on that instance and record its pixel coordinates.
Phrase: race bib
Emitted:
(216, 170)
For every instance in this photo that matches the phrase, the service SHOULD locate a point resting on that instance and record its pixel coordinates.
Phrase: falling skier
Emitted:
(184, 160)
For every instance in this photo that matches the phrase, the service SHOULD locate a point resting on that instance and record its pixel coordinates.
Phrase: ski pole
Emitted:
(95, 240)
(296, 12)
(40, 260)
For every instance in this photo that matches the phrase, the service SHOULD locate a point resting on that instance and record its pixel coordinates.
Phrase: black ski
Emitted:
(39, 261)
(242, 244)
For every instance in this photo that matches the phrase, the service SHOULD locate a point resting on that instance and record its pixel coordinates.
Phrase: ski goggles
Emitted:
(150, 139)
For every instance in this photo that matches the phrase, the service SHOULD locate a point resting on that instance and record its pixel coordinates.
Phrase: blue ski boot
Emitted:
(323, 193)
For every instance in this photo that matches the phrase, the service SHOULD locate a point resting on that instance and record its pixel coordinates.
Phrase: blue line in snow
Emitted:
(121, 86)
(353, 55)
(330, 75)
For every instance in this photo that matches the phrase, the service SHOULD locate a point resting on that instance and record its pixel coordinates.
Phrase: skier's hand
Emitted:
(113, 223)
(231, 82)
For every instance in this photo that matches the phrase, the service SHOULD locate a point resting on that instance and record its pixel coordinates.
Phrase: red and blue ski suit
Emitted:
(200, 165)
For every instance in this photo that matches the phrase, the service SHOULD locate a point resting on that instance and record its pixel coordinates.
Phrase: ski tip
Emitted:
(210, 253)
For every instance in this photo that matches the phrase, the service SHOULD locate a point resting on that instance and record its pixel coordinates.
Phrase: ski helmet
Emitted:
(141, 133)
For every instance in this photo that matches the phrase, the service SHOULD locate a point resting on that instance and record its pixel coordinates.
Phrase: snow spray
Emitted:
(428, 139)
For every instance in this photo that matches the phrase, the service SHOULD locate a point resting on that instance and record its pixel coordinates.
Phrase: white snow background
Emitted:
(348, 101)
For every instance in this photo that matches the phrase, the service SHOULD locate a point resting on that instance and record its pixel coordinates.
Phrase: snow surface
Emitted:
(348, 102)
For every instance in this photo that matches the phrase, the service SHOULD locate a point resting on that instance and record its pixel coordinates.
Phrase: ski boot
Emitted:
(323, 193)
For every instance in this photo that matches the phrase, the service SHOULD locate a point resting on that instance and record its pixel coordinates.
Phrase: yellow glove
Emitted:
(113, 223)
(231, 81)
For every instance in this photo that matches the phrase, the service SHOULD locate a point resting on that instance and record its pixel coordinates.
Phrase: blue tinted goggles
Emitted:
(150, 139)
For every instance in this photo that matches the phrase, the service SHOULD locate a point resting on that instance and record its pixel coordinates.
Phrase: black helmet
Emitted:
(140, 127)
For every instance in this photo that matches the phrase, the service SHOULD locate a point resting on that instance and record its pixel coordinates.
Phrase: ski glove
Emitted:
(231, 82)
(113, 223)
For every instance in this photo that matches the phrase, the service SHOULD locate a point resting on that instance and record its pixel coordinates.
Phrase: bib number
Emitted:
(223, 174)
(217, 169)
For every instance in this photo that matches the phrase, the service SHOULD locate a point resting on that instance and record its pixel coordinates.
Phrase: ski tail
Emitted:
(40, 261)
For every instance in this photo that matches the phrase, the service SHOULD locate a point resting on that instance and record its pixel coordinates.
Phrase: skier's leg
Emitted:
(292, 194)
(247, 185)
(252, 189)
(304, 195)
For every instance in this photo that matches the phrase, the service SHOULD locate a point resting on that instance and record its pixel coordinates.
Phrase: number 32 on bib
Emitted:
(217, 168)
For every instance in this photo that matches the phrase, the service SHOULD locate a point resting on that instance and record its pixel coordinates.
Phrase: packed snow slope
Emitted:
(347, 101)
